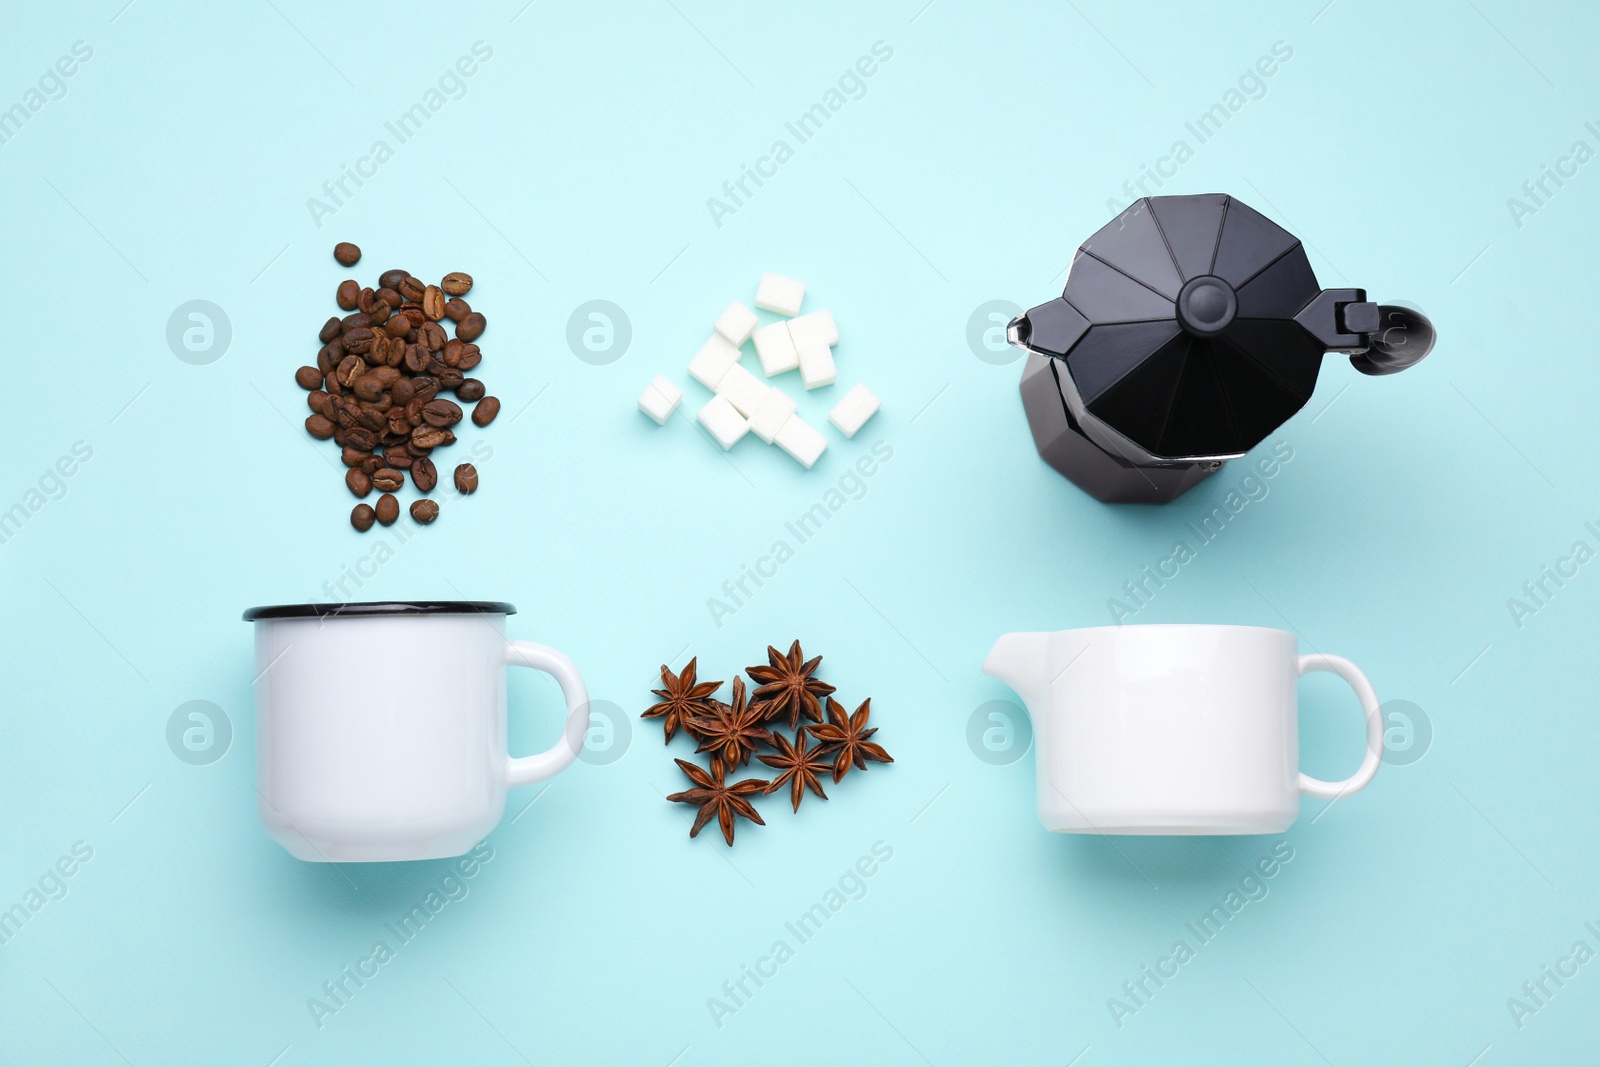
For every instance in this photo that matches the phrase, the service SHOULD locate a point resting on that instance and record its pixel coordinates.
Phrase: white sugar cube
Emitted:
(780, 294)
(771, 412)
(743, 389)
(816, 366)
(713, 360)
(660, 399)
(851, 413)
(817, 328)
(776, 349)
(736, 323)
(723, 422)
(802, 441)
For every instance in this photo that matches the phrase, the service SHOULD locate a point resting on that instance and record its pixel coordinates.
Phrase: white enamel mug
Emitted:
(1172, 729)
(381, 728)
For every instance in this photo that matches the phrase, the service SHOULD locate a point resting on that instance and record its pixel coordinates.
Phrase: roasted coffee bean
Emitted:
(362, 438)
(411, 288)
(469, 390)
(308, 378)
(317, 401)
(387, 375)
(484, 413)
(367, 387)
(349, 369)
(416, 450)
(367, 303)
(441, 413)
(352, 457)
(426, 387)
(347, 254)
(357, 481)
(433, 302)
(389, 295)
(471, 356)
(449, 378)
(355, 321)
(330, 330)
(471, 328)
(388, 509)
(402, 391)
(456, 283)
(424, 511)
(431, 336)
(319, 426)
(397, 328)
(391, 279)
(387, 480)
(347, 293)
(451, 354)
(397, 457)
(413, 314)
(362, 517)
(329, 355)
(466, 478)
(456, 310)
(424, 475)
(416, 358)
(398, 431)
(426, 436)
(359, 340)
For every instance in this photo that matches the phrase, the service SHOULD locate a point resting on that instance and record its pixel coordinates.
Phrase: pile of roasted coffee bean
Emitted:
(375, 391)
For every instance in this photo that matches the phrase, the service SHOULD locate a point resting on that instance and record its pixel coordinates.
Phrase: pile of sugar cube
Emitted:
(743, 403)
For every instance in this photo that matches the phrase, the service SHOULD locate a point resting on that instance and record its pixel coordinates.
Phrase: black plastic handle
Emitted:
(1403, 337)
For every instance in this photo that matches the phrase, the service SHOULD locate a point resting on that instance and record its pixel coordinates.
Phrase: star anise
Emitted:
(716, 798)
(788, 688)
(847, 738)
(682, 700)
(731, 731)
(798, 766)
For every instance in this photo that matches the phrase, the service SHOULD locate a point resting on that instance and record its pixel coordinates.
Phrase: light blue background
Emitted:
(577, 166)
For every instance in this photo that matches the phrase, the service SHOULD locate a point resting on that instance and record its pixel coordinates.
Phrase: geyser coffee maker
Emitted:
(1190, 328)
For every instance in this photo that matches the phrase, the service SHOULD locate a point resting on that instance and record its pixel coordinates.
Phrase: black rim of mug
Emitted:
(378, 607)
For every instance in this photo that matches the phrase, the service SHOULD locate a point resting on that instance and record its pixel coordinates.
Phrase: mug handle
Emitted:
(1369, 706)
(525, 770)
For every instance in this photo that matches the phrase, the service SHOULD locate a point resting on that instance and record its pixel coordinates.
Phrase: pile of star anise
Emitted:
(787, 699)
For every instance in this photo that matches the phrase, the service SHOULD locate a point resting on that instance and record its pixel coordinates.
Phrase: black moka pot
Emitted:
(1190, 328)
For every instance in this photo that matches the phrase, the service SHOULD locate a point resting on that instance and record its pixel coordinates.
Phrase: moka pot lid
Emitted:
(1177, 329)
